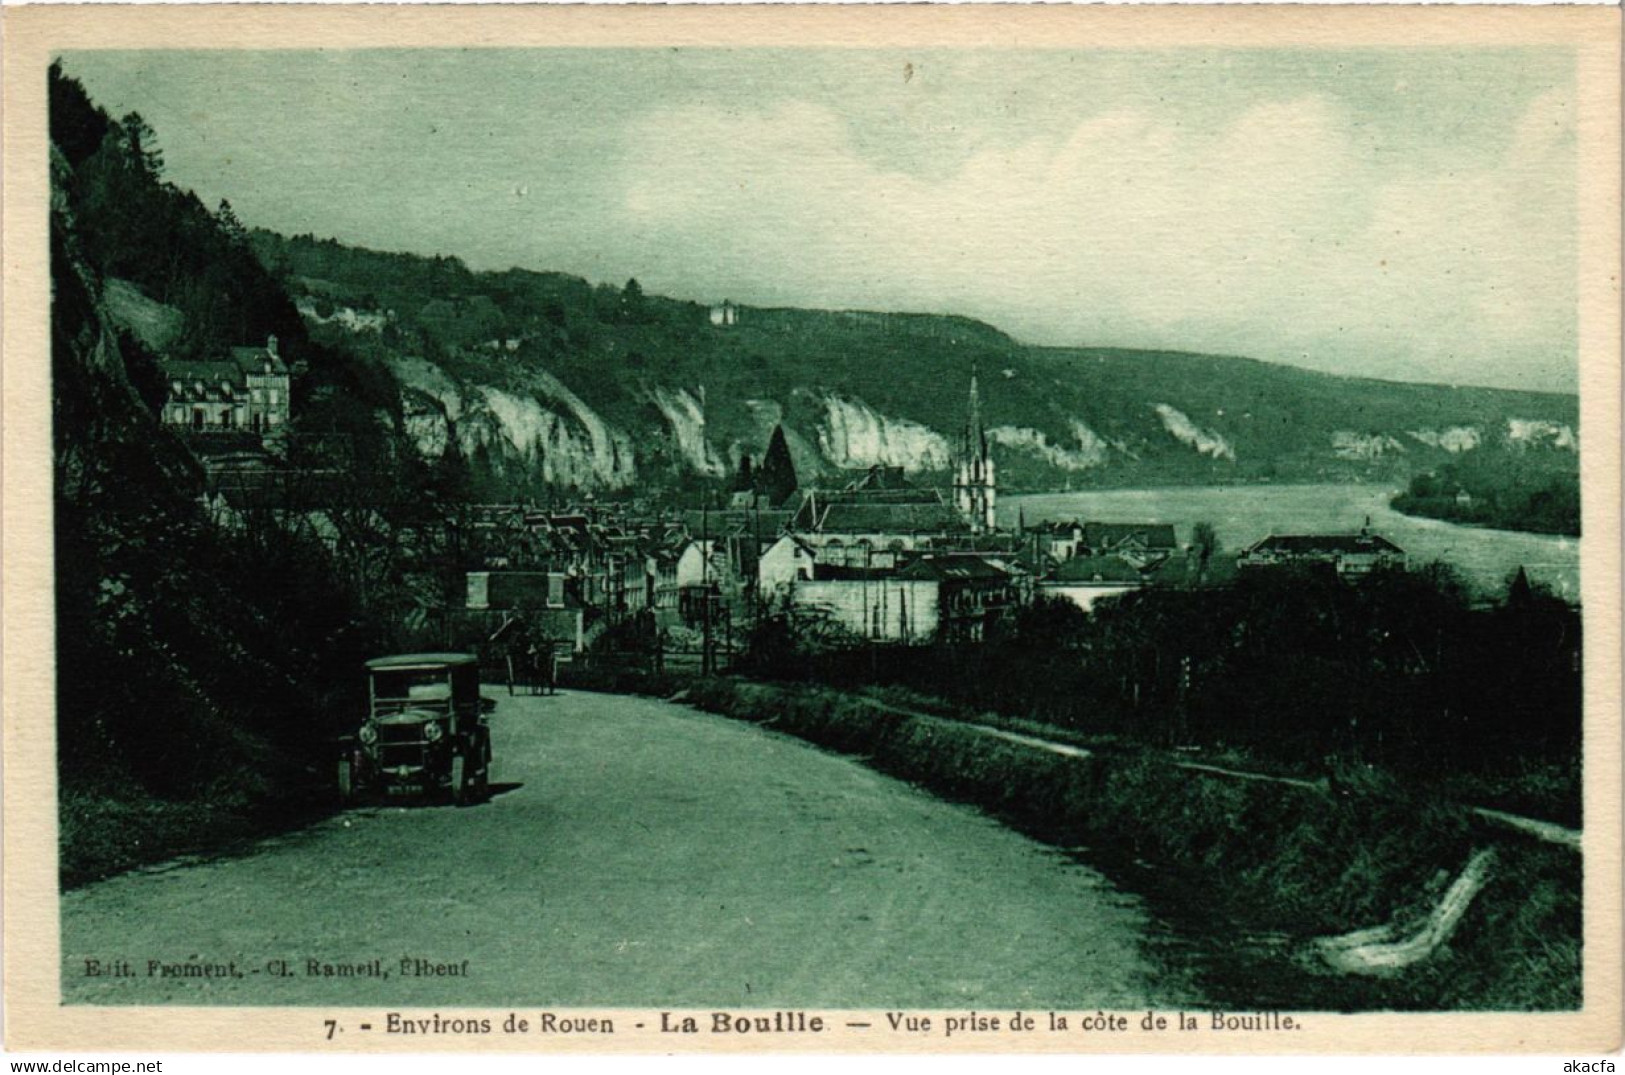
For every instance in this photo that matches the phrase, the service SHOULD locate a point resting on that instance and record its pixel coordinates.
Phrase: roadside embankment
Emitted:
(105, 833)
(1252, 874)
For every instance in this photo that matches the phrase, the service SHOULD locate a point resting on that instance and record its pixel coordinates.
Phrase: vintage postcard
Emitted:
(883, 529)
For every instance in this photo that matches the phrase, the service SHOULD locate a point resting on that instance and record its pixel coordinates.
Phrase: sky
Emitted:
(1403, 213)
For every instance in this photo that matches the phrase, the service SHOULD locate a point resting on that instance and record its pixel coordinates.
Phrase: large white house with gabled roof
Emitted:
(244, 392)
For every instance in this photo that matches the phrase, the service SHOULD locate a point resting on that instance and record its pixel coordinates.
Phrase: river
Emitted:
(1244, 514)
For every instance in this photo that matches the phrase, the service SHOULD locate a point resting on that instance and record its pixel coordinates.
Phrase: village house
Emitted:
(1085, 580)
(798, 554)
(702, 562)
(950, 597)
(245, 391)
(627, 582)
(509, 590)
(1141, 544)
(790, 558)
(1057, 539)
(877, 605)
(1347, 554)
(720, 570)
(537, 604)
(614, 564)
(973, 592)
(663, 563)
(869, 525)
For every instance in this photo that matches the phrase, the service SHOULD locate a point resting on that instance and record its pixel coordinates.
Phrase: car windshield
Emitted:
(422, 685)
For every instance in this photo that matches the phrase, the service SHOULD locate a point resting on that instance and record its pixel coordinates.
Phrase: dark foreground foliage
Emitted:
(205, 658)
(1298, 668)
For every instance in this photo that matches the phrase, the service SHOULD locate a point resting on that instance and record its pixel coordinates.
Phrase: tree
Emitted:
(145, 374)
(1205, 542)
(1520, 594)
(776, 477)
(142, 142)
(1425, 484)
(230, 224)
(77, 126)
(632, 303)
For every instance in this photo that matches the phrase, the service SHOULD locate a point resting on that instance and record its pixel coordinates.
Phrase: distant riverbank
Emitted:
(1479, 515)
(1244, 514)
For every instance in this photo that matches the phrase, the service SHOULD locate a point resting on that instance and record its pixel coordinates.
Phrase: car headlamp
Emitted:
(432, 731)
(369, 734)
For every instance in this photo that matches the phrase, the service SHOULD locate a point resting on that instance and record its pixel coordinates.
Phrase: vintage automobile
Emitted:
(425, 731)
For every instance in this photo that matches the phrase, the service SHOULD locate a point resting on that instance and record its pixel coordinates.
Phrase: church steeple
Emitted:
(974, 434)
(973, 467)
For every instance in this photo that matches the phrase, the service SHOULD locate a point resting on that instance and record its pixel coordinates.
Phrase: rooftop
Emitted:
(850, 517)
(947, 568)
(1311, 544)
(419, 660)
(237, 364)
(1110, 535)
(881, 478)
(1097, 569)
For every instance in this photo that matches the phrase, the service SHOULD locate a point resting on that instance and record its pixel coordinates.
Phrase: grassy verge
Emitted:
(102, 834)
(1249, 872)
(1546, 790)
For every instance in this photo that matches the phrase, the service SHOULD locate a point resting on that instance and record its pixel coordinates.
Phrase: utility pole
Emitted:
(873, 632)
(707, 653)
(756, 582)
(707, 658)
(1182, 728)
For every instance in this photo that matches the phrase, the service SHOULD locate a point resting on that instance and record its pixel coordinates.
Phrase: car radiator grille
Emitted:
(400, 733)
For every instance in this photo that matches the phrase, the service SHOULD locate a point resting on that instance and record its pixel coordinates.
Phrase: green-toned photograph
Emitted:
(768, 530)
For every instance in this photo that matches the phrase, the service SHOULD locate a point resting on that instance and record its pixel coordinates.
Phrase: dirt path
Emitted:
(1545, 831)
(638, 854)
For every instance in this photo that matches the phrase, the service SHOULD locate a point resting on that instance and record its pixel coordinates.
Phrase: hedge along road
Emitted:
(636, 854)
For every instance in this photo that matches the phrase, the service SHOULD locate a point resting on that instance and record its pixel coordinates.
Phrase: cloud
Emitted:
(1405, 212)
(1287, 232)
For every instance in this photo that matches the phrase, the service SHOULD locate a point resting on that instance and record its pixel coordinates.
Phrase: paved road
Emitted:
(638, 854)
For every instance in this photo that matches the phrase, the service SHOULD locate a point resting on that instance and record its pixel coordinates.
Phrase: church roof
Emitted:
(975, 440)
(848, 517)
(881, 478)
